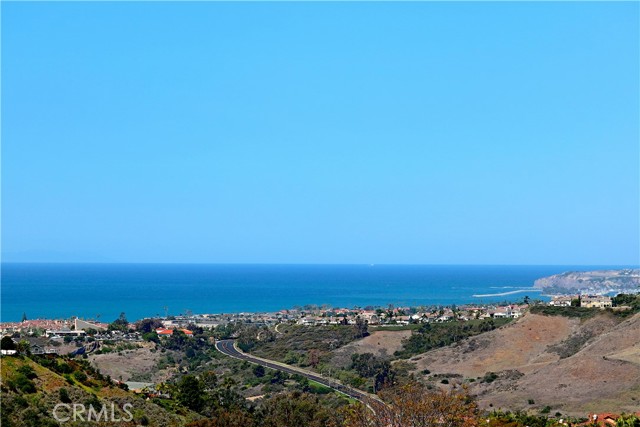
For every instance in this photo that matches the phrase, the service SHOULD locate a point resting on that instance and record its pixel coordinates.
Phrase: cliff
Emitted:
(600, 281)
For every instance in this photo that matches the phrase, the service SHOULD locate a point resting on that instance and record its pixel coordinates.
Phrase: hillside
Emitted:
(573, 366)
(31, 391)
(595, 281)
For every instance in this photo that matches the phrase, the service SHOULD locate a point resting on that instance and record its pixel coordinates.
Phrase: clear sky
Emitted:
(432, 133)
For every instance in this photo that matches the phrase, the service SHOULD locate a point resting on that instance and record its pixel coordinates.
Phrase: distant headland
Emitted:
(591, 282)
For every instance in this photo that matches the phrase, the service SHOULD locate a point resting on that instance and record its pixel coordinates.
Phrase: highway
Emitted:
(227, 347)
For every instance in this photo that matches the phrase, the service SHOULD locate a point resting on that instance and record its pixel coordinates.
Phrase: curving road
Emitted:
(227, 347)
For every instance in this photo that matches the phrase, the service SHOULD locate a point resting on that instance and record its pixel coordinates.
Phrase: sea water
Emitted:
(103, 291)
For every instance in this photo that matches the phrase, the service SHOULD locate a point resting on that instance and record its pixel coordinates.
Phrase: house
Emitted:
(307, 321)
(562, 301)
(84, 325)
(65, 333)
(168, 332)
(595, 301)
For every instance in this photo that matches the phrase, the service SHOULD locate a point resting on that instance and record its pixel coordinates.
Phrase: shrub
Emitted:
(24, 384)
(80, 376)
(489, 377)
(64, 395)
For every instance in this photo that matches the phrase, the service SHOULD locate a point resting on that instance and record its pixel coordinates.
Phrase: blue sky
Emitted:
(431, 133)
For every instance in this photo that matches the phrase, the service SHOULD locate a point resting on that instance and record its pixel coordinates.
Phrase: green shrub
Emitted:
(489, 377)
(80, 376)
(64, 395)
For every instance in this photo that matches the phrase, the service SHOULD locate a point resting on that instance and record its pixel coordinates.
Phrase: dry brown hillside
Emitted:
(574, 366)
(381, 344)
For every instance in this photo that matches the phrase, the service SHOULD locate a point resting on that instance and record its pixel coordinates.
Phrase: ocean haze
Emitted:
(143, 290)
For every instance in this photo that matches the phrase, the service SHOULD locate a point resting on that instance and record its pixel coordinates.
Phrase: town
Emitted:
(68, 336)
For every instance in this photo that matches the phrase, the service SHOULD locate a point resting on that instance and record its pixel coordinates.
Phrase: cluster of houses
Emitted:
(589, 301)
(410, 315)
(309, 316)
(335, 316)
(50, 336)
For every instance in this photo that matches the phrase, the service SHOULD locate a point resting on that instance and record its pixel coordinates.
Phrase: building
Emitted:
(562, 301)
(84, 325)
(168, 332)
(65, 333)
(595, 301)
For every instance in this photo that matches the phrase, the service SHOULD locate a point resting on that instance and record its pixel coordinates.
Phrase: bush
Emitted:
(489, 377)
(27, 371)
(24, 384)
(64, 395)
(80, 376)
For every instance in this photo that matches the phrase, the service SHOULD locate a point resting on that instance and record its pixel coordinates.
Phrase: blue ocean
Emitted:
(103, 291)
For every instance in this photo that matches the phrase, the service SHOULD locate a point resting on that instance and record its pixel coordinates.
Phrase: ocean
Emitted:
(103, 291)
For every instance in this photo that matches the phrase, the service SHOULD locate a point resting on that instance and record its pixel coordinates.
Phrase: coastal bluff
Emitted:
(598, 281)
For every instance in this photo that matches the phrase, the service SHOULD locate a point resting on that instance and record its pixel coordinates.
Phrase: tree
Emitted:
(7, 343)
(362, 328)
(295, 410)
(314, 357)
(145, 326)
(24, 317)
(258, 371)
(190, 392)
(209, 380)
(24, 347)
(226, 418)
(364, 364)
(413, 405)
(384, 376)
(120, 324)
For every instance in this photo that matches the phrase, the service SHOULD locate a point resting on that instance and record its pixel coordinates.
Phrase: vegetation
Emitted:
(626, 300)
(369, 366)
(7, 343)
(416, 406)
(120, 324)
(429, 336)
(302, 345)
(31, 387)
(577, 312)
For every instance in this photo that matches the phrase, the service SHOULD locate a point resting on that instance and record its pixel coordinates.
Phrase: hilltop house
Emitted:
(595, 301)
(562, 301)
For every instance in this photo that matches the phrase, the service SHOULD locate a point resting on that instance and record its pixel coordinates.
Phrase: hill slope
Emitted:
(574, 366)
(31, 391)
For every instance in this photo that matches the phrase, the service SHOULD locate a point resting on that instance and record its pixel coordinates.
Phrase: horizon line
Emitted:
(320, 263)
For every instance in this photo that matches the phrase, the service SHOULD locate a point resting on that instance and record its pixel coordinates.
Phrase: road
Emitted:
(227, 347)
